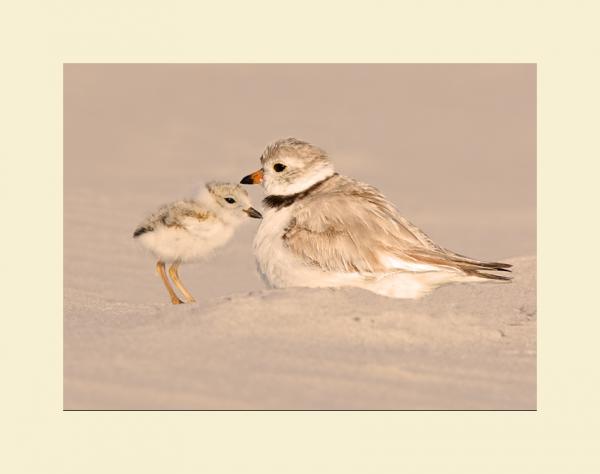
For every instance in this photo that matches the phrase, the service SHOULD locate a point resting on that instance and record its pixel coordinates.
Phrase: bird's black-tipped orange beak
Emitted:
(254, 178)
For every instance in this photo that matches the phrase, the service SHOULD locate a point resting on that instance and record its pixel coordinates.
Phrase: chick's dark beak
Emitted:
(254, 178)
(253, 213)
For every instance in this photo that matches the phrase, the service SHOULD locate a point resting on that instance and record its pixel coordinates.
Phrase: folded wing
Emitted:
(360, 231)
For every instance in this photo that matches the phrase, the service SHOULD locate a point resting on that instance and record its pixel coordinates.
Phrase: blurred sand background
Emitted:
(452, 145)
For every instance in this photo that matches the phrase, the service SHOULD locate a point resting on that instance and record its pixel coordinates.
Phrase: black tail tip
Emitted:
(491, 276)
(139, 231)
(503, 269)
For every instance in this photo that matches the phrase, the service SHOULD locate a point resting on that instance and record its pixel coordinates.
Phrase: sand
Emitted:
(463, 347)
(452, 145)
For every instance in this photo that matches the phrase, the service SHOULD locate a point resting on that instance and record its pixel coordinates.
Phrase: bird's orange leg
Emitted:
(175, 277)
(160, 266)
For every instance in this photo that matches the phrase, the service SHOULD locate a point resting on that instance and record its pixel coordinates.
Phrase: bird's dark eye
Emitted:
(278, 167)
(230, 200)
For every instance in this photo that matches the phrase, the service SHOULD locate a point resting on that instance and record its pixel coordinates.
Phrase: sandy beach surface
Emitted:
(452, 145)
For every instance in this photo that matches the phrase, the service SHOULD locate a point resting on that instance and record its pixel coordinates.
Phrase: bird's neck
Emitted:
(276, 201)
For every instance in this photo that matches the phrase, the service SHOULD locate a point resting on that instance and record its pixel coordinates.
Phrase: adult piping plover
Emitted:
(187, 230)
(322, 229)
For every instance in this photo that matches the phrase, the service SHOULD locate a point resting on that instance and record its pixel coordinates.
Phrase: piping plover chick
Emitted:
(322, 229)
(188, 230)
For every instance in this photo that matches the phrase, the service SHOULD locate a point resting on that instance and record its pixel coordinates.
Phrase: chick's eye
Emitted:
(230, 200)
(278, 167)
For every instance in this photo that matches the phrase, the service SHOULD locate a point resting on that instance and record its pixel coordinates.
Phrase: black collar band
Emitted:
(277, 202)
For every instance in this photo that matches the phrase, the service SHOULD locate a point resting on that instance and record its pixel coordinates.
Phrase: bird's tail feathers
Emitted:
(142, 230)
(469, 266)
